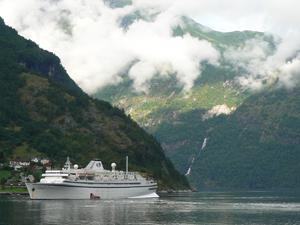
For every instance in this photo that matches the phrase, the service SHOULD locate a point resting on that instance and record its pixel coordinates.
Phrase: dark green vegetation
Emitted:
(44, 113)
(4, 175)
(256, 146)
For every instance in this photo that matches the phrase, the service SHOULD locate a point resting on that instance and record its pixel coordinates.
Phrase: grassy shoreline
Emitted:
(13, 190)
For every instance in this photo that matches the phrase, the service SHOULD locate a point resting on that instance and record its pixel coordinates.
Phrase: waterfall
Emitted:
(204, 143)
(189, 170)
(203, 146)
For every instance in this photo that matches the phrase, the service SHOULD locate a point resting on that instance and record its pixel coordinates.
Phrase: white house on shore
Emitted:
(19, 163)
(35, 159)
(44, 161)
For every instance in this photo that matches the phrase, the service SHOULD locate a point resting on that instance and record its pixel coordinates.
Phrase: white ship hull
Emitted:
(39, 191)
(92, 182)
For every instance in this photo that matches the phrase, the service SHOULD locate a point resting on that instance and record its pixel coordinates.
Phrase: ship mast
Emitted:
(126, 165)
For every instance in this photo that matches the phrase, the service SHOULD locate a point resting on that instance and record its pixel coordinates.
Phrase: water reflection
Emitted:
(93, 211)
(205, 207)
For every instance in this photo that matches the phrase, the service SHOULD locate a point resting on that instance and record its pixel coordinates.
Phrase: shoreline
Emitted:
(176, 191)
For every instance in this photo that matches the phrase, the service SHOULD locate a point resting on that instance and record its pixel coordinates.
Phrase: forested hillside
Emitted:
(257, 146)
(44, 113)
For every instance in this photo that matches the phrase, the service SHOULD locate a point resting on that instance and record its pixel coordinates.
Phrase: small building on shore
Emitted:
(44, 161)
(32, 168)
(35, 159)
(19, 163)
(48, 166)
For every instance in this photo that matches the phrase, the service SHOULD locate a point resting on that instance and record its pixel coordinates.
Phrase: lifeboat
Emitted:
(92, 196)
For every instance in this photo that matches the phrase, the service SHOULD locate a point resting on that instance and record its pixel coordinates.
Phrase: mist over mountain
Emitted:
(99, 41)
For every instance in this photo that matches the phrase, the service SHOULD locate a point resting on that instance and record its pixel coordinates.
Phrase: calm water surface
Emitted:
(204, 207)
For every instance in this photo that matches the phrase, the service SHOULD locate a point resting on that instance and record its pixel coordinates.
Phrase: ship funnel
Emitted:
(113, 167)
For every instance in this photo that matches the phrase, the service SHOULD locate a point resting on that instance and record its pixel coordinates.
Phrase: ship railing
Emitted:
(122, 173)
(128, 173)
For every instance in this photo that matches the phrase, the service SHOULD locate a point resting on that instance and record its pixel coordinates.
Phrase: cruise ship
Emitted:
(91, 182)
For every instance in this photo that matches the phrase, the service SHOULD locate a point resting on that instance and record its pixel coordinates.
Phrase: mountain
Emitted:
(44, 113)
(256, 147)
(182, 120)
(219, 132)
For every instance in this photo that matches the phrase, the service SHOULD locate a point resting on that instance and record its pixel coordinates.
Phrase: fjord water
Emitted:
(203, 207)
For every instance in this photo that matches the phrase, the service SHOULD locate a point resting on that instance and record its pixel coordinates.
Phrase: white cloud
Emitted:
(252, 62)
(259, 64)
(98, 49)
(276, 16)
(290, 73)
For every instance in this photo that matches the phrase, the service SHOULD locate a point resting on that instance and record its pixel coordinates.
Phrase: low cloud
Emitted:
(257, 62)
(251, 62)
(281, 18)
(95, 49)
(289, 73)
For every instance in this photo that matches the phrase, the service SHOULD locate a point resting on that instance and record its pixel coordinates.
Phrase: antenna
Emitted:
(126, 165)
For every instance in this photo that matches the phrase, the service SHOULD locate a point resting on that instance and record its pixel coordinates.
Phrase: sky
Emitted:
(96, 50)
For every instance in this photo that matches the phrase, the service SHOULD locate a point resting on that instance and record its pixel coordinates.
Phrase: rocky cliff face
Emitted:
(51, 69)
(217, 110)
